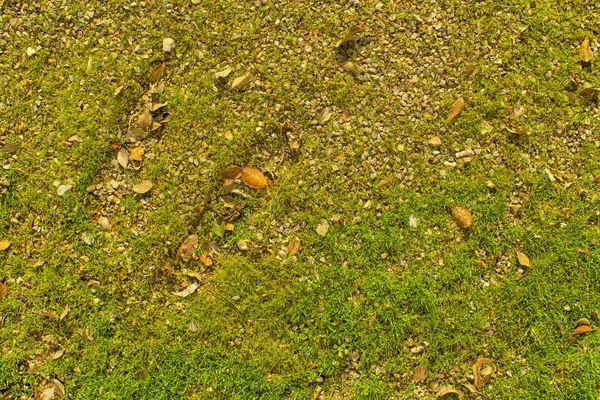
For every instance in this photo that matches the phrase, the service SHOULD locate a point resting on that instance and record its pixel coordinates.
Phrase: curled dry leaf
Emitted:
(157, 106)
(582, 322)
(446, 391)
(229, 227)
(232, 172)
(420, 374)
(206, 259)
(324, 116)
(191, 288)
(144, 121)
(157, 73)
(65, 312)
(137, 154)
(4, 244)
(57, 354)
(242, 81)
(223, 74)
(481, 376)
(581, 330)
(187, 250)
(253, 178)
(352, 35)
(523, 259)
(294, 247)
(456, 108)
(462, 216)
(142, 187)
(585, 52)
(123, 157)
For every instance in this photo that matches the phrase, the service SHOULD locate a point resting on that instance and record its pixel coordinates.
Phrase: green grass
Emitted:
(262, 327)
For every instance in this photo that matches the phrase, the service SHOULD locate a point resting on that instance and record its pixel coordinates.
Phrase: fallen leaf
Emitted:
(585, 52)
(195, 275)
(223, 74)
(123, 157)
(3, 291)
(322, 228)
(135, 134)
(581, 330)
(480, 378)
(232, 172)
(244, 245)
(447, 390)
(242, 81)
(294, 247)
(352, 35)
(588, 93)
(57, 354)
(385, 182)
(59, 389)
(462, 216)
(157, 106)
(206, 259)
(104, 222)
(64, 313)
(435, 141)
(229, 227)
(144, 121)
(350, 67)
(187, 250)
(137, 154)
(191, 288)
(582, 322)
(324, 116)
(62, 189)
(142, 187)
(456, 108)
(4, 244)
(157, 73)
(218, 227)
(317, 393)
(420, 374)
(75, 139)
(471, 388)
(10, 148)
(523, 259)
(48, 394)
(118, 90)
(253, 178)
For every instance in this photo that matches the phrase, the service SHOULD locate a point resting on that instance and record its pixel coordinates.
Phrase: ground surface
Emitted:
(385, 282)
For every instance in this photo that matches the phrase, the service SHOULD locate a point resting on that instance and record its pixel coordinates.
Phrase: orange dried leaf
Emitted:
(253, 178)
(447, 390)
(137, 154)
(585, 52)
(480, 377)
(420, 374)
(206, 259)
(581, 330)
(157, 73)
(3, 291)
(456, 108)
(462, 216)
(4, 244)
(229, 227)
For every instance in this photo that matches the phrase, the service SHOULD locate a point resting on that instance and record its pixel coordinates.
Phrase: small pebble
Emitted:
(62, 189)
(168, 45)
(30, 51)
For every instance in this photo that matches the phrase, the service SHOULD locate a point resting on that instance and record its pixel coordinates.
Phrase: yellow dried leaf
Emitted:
(349, 66)
(419, 374)
(462, 216)
(253, 178)
(157, 73)
(523, 259)
(142, 187)
(456, 108)
(242, 81)
(585, 52)
(294, 247)
(229, 228)
(447, 390)
(4, 244)
(479, 376)
(385, 182)
(137, 154)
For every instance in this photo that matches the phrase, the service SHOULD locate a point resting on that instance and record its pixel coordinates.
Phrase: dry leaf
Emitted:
(137, 154)
(142, 187)
(325, 116)
(10, 148)
(3, 291)
(462, 216)
(233, 172)
(187, 250)
(135, 134)
(435, 141)
(385, 182)
(229, 227)
(48, 394)
(57, 354)
(294, 247)
(157, 73)
(582, 322)
(581, 330)
(523, 259)
(253, 178)
(144, 121)
(481, 378)
(4, 244)
(352, 35)
(206, 259)
(59, 389)
(317, 393)
(118, 90)
(123, 158)
(64, 313)
(224, 74)
(157, 106)
(447, 390)
(242, 81)
(456, 108)
(349, 66)
(588, 93)
(585, 52)
(419, 374)
(191, 288)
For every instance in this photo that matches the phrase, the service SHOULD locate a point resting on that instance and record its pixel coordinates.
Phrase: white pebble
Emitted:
(168, 45)
(30, 51)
